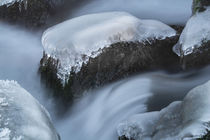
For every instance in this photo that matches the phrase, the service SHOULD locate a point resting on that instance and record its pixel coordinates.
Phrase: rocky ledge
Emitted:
(30, 13)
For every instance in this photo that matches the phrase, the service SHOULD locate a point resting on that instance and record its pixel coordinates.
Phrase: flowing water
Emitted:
(20, 53)
(168, 11)
(96, 115)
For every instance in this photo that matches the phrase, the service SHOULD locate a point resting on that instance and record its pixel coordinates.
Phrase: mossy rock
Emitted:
(33, 13)
(114, 63)
(199, 5)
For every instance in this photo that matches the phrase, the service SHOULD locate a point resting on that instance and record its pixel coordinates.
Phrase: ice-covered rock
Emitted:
(193, 45)
(181, 120)
(195, 33)
(74, 41)
(92, 50)
(21, 116)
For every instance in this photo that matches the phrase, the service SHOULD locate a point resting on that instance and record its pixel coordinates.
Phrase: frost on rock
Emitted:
(181, 120)
(21, 116)
(195, 33)
(9, 2)
(74, 41)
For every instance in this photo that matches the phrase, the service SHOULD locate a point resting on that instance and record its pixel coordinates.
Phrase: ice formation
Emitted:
(196, 32)
(74, 41)
(21, 116)
(181, 120)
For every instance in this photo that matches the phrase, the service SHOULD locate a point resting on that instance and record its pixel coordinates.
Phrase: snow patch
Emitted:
(187, 119)
(196, 32)
(21, 116)
(74, 41)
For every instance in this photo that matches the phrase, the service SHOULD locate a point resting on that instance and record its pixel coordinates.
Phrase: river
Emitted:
(96, 115)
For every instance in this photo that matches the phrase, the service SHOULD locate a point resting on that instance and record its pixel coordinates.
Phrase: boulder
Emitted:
(111, 46)
(21, 116)
(193, 44)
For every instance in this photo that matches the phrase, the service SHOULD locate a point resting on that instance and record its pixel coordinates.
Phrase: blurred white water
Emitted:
(20, 53)
(98, 113)
(168, 11)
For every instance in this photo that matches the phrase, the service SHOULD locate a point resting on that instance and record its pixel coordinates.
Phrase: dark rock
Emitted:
(124, 138)
(31, 13)
(200, 57)
(205, 137)
(178, 28)
(115, 62)
(37, 13)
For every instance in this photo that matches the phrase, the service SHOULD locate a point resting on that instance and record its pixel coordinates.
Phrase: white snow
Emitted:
(21, 116)
(74, 41)
(196, 31)
(187, 119)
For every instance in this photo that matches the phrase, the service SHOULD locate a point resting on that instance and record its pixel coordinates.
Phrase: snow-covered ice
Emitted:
(196, 32)
(187, 119)
(21, 116)
(74, 41)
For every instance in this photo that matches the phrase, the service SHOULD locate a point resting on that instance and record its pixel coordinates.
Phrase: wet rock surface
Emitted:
(124, 138)
(200, 57)
(115, 62)
(38, 13)
(31, 13)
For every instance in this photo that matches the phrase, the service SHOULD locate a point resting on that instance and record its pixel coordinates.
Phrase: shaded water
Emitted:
(167, 11)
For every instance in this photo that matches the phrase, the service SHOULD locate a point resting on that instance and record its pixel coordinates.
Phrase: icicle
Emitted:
(25, 2)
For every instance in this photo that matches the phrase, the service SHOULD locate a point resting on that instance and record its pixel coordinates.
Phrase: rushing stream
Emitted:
(96, 115)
